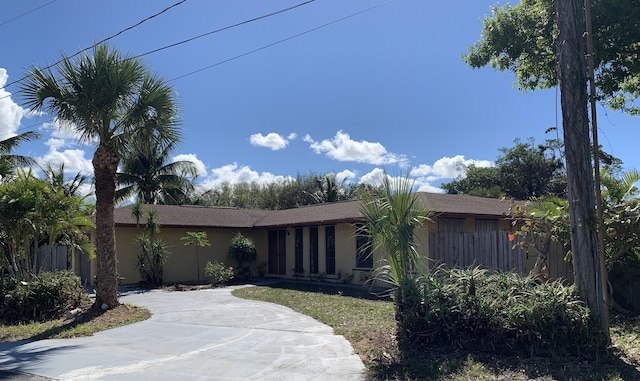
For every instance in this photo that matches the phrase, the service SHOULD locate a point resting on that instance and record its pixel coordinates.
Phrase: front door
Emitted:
(277, 252)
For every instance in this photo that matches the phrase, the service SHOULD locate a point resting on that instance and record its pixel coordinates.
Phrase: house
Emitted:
(313, 242)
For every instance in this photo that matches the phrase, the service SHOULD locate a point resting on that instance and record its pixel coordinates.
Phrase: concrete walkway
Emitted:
(193, 335)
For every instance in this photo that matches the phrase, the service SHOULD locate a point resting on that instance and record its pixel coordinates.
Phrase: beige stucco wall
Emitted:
(183, 264)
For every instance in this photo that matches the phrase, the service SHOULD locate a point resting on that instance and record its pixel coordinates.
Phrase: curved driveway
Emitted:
(194, 335)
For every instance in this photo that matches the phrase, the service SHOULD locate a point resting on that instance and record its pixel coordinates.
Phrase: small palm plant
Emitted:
(392, 212)
(197, 239)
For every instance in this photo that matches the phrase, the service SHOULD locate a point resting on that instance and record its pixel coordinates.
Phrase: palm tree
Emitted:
(114, 101)
(145, 171)
(9, 161)
(70, 187)
(392, 213)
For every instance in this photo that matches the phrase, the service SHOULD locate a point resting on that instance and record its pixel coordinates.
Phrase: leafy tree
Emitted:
(33, 214)
(146, 172)
(524, 171)
(9, 161)
(114, 101)
(243, 251)
(522, 38)
(197, 239)
(70, 187)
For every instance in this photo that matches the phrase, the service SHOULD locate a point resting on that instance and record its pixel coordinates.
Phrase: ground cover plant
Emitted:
(369, 323)
(55, 305)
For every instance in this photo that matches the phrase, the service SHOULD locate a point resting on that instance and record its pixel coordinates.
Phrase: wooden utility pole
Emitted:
(575, 123)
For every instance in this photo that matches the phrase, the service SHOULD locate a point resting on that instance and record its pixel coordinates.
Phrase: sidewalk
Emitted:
(194, 335)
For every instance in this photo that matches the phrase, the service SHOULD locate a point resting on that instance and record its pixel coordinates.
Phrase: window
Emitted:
(313, 250)
(299, 265)
(451, 225)
(330, 247)
(364, 248)
(486, 225)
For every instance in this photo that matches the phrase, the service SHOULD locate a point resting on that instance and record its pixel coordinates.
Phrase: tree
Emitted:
(146, 173)
(114, 101)
(580, 186)
(153, 249)
(34, 214)
(523, 39)
(243, 251)
(9, 161)
(524, 171)
(542, 42)
(392, 213)
(197, 239)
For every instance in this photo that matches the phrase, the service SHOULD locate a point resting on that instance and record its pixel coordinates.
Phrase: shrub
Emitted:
(471, 308)
(46, 296)
(218, 273)
(243, 251)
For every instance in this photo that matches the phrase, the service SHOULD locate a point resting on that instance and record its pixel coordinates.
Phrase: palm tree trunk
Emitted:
(105, 164)
(573, 97)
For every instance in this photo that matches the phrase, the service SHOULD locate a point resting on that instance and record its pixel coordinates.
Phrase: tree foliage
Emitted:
(34, 214)
(115, 101)
(8, 160)
(524, 171)
(147, 173)
(289, 193)
(522, 38)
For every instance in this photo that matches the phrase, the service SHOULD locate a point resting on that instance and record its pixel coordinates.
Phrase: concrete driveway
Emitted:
(194, 335)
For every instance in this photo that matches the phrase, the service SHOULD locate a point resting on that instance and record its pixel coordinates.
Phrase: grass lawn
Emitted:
(369, 324)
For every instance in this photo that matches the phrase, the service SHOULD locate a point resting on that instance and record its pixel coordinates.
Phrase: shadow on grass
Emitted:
(439, 363)
(354, 291)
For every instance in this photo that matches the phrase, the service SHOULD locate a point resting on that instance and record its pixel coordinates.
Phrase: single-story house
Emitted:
(317, 241)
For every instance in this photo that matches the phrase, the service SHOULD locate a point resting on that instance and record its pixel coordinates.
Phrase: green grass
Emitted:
(369, 324)
(85, 324)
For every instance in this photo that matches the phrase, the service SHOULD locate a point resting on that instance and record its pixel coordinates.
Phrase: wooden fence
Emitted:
(491, 250)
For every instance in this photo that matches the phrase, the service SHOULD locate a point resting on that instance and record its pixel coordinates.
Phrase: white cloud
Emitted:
(271, 140)
(342, 148)
(447, 168)
(10, 113)
(346, 175)
(200, 167)
(73, 159)
(234, 174)
(63, 130)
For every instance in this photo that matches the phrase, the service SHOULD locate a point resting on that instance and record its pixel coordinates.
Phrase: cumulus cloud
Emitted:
(342, 148)
(447, 168)
(200, 167)
(74, 160)
(234, 174)
(10, 113)
(346, 175)
(271, 140)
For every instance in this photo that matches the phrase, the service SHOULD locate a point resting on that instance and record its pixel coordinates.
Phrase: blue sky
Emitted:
(383, 88)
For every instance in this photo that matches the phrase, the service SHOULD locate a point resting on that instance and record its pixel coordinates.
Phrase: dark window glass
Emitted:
(299, 265)
(313, 250)
(330, 240)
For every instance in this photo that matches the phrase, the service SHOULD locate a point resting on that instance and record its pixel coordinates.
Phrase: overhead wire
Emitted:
(100, 42)
(26, 13)
(279, 41)
(222, 29)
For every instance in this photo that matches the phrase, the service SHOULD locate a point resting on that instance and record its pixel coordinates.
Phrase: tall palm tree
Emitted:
(146, 173)
(9, 161)
(114, 101)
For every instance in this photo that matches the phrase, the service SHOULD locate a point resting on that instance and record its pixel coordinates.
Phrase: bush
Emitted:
(471, 308)
(218, 273)
(45, 297)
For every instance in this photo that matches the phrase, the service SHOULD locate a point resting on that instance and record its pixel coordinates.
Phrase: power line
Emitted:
(98, 43)
(223, 29)
(26, 13)
(278, 42)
